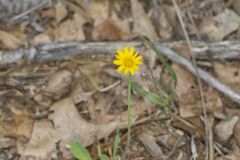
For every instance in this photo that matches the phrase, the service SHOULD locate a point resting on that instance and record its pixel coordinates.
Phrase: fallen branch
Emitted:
(63, 51)
(176, 58)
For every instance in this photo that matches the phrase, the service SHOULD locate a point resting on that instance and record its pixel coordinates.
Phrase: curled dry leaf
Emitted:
(149, 141)
(184, 78)
(99, 10)
(190, 104)
(70, 30)
(222, 25)
(141, 23)
(61, 11)
(66, 125)
(11, 40)
(228, 73)
(236, 132)
(59, 83)
(159, 19)
(6, 142)
(224, 129)
(107, 31)
(236, 6)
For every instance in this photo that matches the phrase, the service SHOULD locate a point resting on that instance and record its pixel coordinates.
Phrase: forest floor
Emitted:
(58, 82)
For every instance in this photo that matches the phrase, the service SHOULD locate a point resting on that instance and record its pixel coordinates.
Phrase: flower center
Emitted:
(128, 63)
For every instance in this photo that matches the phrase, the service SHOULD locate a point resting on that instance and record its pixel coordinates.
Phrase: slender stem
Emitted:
(129, 116)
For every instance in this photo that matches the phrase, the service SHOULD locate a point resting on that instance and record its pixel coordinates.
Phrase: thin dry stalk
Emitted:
(203, 104)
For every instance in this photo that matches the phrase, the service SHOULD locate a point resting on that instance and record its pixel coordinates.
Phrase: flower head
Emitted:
(127, 60)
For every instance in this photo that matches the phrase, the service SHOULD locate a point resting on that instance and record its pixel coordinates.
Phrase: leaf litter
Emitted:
(83, 99)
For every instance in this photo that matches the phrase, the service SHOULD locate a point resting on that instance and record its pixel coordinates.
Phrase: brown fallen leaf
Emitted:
(236, 6)
(66, 125)
(159, 19)
(141, 23)
(61, 11)
(9, 40)
(224, 129)
(6, 142)
(193, 126)
(107, 31)
(236, 132)
(228, 73)
(190, 104)
(41, 39)
(70, 30)
(99, 11)
(149, 141)
(185, 80)
(59, 83)
(220, 26)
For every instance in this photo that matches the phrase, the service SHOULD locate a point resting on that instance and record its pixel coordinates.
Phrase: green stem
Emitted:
(129, 115)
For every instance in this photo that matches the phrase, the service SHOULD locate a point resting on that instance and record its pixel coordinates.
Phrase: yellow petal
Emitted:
(138, 62)
(117, 62)
(138, 58)
(126, 50)
(136, 67)
(132, 71)
(131, 51)
(126, 70)
(118, 56)
(120, 68)
(120, 52)
(135, 55)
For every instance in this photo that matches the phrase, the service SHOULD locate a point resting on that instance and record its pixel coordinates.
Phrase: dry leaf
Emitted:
(157, 14)
(11, 40)
(228, 73)
(59, 83)
(149, 141)
(236, 6)
(193, 126)
(66, 124)
(236, 132)
(6, 142)
(70, 30)
(107, 31)
(141, 23)
(221, 26)
(224, 129)
(98, 11)
(61, 11)
(190, 104)
(184, 78)
(41, 39)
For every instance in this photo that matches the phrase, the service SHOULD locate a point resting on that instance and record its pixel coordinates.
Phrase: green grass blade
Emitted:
(156, 99)
(163, 102)
(138, 88)
(79, 151)
(163, 60)
(104, 157)
(115, 145)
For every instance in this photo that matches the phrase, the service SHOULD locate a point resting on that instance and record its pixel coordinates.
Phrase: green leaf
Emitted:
(163, 60)
(79, 151)
(155, 99)
(104, 157)
(149, 95)
(138, 88)
(115, 146)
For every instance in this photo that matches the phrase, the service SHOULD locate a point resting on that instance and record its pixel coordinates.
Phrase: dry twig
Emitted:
(203, 104)
(63, 51)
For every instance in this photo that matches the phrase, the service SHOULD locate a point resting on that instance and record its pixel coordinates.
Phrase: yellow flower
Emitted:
(127, 60)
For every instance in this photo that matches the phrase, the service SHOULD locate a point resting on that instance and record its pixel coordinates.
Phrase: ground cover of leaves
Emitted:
(44, 105)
